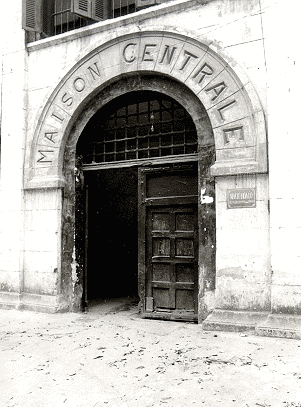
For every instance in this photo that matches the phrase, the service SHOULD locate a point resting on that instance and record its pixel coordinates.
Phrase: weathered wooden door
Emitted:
(168, 242)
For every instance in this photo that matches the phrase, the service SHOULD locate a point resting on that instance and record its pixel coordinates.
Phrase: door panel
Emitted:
(171, 241)
(161, 185)
(171, 258)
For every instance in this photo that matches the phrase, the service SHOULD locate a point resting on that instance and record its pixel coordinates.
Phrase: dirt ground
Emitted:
(109, 356)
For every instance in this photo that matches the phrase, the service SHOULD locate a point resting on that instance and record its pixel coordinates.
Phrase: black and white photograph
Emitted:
(150, 203)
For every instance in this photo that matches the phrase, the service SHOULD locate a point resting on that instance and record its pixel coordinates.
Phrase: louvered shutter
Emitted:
(101, 9)
(82, 8)
(32, 15)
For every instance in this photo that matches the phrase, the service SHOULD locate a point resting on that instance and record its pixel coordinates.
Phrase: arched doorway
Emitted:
(232, 144)
(140, 156)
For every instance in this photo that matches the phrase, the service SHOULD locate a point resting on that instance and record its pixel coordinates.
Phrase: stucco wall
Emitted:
(233, 26)
(243, 250)
(12, 145)
(283, 65)
(249, 32)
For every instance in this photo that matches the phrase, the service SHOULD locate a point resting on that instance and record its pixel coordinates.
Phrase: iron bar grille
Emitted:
(123, 7)
(138, 125)
(58, 18)
(64, 20)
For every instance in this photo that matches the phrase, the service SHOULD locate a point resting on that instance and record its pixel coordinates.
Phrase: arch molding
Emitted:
(227, 94)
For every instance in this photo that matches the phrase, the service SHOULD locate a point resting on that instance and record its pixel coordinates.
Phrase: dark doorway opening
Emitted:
(112, 253)
(144, 129)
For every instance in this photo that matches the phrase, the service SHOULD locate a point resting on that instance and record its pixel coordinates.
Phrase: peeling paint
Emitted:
(74, 265)
(206, 199)
(209, 300)
(6, 287)
(233, 272)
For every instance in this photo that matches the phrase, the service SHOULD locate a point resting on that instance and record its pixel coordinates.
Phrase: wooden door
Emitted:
(168, 242)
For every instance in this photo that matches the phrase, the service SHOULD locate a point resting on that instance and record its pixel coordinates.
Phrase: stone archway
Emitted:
(227, 94)
(74, 195)
(215, 81)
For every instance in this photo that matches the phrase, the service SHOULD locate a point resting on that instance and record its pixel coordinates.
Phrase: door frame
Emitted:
(145, 165)
(207, 267)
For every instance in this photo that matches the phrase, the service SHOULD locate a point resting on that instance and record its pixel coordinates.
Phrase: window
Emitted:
(138, 125)
(45, 18)
(51, 17)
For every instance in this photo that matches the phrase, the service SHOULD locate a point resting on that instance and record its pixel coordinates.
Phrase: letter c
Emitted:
(129, 53)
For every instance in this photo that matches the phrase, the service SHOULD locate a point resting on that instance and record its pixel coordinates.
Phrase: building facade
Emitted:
(155, 154)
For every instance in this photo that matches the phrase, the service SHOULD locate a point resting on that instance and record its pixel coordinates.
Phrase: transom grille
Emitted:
(138, 125)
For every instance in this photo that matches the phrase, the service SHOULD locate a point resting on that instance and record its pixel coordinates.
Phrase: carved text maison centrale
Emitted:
(209, 76)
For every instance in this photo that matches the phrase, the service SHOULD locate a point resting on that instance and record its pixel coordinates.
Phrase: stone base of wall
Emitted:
(31, 302)
(281, 326)
(224, 320)
(262, 323)
(9, 300)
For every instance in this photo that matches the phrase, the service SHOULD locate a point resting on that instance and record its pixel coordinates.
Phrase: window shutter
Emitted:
(32, 15)
(82, 8)
(101, 9)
